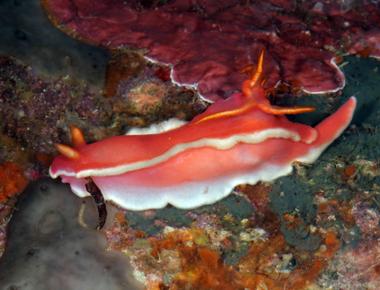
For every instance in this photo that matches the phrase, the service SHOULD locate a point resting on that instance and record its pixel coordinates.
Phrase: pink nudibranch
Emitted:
(199, 162)
(243, 139)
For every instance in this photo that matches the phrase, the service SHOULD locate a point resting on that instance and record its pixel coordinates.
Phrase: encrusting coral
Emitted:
(208, 43)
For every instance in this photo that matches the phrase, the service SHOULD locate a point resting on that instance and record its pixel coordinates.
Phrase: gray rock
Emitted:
(27, 34)
(48, 249)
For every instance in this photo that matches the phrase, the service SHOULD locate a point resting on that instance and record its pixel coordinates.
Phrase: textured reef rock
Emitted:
(35, 112)
(48, 249)
(225, 246)
(12, 180)
(209, 43)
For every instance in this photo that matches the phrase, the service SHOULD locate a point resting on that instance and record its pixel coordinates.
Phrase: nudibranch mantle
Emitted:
(243, 139)
(121, 154)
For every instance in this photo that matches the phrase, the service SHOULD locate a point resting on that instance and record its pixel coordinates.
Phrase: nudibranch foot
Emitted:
(96, 194)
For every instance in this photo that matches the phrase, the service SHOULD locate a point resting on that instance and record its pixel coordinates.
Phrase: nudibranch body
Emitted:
(243, 139)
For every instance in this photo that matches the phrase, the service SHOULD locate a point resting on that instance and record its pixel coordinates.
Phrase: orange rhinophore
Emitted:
(77, 137)
(256, 97)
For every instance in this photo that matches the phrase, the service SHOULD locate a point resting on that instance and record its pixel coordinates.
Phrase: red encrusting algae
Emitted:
(12, 180)
(201, 267)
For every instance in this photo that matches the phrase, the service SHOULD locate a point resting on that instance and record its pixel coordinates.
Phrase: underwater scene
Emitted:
(189, 145)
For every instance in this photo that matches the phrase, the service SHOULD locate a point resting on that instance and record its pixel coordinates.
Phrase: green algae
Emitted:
(227, 215)
(363, 79)
(152, 223)
(291, 195)
(295, 193)
(233, 256)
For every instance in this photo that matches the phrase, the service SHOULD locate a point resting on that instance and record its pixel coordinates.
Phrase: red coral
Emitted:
(208, 42)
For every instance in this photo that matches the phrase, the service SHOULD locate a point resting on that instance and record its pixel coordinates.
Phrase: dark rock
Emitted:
(48, 249)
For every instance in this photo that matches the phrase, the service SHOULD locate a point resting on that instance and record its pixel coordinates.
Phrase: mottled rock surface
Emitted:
(48, 249)
(27, 35)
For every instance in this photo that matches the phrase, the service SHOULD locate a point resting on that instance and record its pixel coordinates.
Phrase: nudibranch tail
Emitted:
(67, 151)
(331, 127)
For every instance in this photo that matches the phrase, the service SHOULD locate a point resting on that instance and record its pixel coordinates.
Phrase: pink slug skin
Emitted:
(119, 150)
(199, 162)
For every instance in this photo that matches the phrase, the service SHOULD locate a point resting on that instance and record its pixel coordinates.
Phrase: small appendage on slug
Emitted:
(99, 202)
